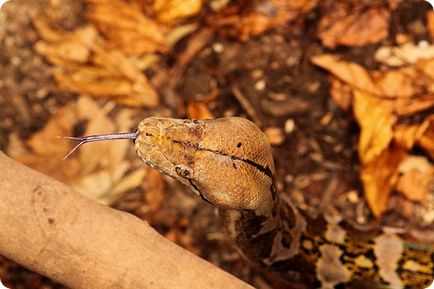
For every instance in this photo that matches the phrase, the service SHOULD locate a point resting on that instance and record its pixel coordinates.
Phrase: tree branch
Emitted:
(48, 228)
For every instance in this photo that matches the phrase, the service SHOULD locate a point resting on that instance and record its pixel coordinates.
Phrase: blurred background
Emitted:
(344, 91)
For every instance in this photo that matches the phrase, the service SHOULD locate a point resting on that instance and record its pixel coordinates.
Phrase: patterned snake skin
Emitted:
(228, 163)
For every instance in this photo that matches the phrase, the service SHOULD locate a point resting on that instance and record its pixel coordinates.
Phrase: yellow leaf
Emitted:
(376, 123)
(379, 177)
(169, 11)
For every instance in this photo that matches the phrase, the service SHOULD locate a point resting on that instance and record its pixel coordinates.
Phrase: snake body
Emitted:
(228, 163)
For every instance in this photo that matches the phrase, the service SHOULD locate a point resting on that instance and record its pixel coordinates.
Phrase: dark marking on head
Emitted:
(202, 196)
(262, 169)
(239, 145)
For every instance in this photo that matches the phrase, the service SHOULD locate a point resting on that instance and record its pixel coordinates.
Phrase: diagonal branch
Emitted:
(48, 228)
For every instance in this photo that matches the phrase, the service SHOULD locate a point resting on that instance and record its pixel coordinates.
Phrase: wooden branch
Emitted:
(48, 228)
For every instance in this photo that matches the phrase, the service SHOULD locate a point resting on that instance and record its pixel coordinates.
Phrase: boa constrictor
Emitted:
(228, 163)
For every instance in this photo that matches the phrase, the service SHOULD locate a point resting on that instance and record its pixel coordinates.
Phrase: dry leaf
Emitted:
(262, 16)
(127, 183)
(198, 110)
(341, 93)
(376, 123)
(347, 25)
(379, 155)
(408, 135)
(85, 65)
(169, 11)
(379, 177)
(417, 174)
(95, 168)
(98, 184)
(46, 151)
(126, 27)
(405, 90)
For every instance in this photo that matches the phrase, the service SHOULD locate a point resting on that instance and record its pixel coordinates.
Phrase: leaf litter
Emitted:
(106, 59)
(381, 101)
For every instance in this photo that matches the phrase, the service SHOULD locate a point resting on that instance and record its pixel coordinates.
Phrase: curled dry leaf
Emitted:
(344, 24)
(245, 22)
(85, 65)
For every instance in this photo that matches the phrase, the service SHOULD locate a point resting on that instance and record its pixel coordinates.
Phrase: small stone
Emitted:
(289, 126)
(275, 135)
(218, 47)
(353, 197)
(260, 85)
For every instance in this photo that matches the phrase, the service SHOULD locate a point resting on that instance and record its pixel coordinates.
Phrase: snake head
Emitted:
(226, 161)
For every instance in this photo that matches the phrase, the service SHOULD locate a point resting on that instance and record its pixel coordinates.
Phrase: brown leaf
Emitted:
(126, 27)
(405, 90)
(94, 169)
(347, 25)
(417, 173)
(85, 65)
(341, 93)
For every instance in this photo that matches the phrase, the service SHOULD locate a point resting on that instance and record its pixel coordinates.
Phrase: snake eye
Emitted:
(183, 172)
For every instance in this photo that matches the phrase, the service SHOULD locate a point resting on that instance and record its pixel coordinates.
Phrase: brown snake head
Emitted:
(221, 160)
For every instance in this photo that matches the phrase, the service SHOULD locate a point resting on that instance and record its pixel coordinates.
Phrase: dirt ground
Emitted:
(268, 79)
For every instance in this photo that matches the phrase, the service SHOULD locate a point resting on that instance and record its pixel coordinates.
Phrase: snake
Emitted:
(228, 163)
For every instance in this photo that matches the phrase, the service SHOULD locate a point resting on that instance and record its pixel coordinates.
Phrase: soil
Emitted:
(268, 79)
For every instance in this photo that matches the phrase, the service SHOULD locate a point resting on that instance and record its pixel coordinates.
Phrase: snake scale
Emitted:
(228, 163)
